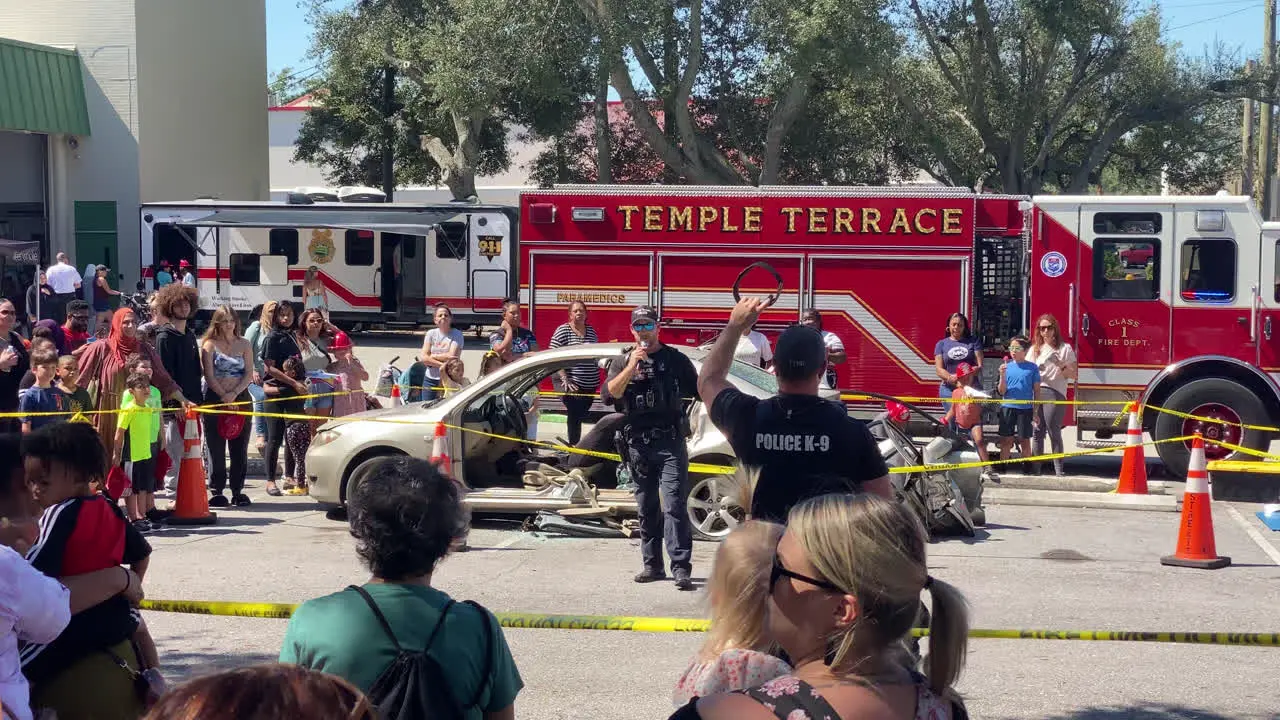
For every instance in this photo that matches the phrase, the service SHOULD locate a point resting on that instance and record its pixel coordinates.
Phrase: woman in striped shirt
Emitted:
(580, 382)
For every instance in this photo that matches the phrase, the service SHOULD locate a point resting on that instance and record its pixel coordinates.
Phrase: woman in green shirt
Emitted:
(405, 516)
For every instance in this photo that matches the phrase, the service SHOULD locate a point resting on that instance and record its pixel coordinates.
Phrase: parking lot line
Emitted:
(1253, 533)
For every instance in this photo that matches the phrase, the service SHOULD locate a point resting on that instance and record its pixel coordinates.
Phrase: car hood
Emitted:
(416, 411)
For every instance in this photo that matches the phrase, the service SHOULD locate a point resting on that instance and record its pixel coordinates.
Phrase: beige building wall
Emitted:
(104, 166)
(202, 93)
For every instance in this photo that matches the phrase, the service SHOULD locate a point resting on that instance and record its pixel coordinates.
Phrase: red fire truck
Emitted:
(1165, 299)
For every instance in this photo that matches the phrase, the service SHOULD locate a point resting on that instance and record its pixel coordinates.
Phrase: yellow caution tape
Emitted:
(1035, 458)
(933, 400)
(1214, 421)
(697, 468)
(1244, 450)
(660, 624)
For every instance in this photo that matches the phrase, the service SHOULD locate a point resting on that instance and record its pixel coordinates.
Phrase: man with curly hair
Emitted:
(179, 351)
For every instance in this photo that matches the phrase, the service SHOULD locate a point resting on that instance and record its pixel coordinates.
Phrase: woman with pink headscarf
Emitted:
(103, 367)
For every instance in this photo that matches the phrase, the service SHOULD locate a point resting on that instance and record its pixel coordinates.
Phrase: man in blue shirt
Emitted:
(1019, 379)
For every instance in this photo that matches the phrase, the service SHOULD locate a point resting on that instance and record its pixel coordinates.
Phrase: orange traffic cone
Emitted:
(1133, 470)
(396, 400)
(1196, 547)
(192, 506)
(440, 450)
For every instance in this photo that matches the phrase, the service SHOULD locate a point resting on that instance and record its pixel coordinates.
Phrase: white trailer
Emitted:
(383, 265)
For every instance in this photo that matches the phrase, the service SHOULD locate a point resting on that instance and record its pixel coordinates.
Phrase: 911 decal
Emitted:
(490, 246)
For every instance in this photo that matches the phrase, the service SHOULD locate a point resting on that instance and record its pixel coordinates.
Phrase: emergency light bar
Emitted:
(1212, 296)
(542, 213)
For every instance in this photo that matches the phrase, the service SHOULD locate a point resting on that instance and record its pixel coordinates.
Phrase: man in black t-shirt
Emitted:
(179, 353)
(803, 445)
(654, 386)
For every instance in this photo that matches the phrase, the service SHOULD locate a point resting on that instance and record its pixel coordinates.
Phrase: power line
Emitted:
(1208, 20)
(1204, 3)
(290, 77)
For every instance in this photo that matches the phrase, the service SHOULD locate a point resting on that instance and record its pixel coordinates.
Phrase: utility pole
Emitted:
(389, 130)
(1246, 140)
(1266, 141)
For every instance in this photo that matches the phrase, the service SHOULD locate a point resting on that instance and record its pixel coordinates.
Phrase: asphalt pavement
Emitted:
(1052, 568)
(1031, 567)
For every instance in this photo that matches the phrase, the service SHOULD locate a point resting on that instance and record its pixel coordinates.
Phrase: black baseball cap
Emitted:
(644, 314)
(800, 353)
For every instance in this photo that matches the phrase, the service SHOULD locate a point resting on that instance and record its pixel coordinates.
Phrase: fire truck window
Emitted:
(1126, 269)
(284, 242)
(1208, 270)
(1128, 223)
(359, 247)
(1278, 271)
(451, 241)
(246, 269)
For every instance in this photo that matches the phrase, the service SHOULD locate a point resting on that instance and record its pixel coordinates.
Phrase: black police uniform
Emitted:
(655, 403)
(804, 446)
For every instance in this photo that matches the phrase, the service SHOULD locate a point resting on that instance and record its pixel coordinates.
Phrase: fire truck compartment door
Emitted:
(695, 293)
(610, 286)
(889, 312)
(1215, 284)
(1127, 260)
(1268, 314)
(489, 260)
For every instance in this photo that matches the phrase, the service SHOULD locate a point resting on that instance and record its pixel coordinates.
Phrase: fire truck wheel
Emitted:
(1220, 406)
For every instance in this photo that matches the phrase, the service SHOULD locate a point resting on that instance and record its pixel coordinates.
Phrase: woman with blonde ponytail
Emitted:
(844, 592)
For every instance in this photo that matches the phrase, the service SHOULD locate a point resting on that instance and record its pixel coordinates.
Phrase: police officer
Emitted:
(802, 444)
(654, 384)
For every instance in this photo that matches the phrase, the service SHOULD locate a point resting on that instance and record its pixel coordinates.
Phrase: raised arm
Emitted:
(714, 377)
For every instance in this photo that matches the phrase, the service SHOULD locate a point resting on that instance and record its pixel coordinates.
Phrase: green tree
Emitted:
(1032, 95)
(729, 82)
(287, 84)
(466, 71)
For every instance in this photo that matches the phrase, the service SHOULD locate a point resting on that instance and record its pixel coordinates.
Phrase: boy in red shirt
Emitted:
(81, 531)
(968, 415)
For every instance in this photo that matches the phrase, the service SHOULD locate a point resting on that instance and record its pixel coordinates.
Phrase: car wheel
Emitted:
(362, 471)
(1213, 399)
(713, 507)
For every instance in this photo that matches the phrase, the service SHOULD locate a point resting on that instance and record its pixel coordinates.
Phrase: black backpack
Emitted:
(414, 685)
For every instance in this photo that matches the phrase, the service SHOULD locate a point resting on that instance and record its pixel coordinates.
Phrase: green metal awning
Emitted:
(41, 89)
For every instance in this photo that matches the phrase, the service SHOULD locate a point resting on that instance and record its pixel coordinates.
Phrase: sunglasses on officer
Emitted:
(643, 327)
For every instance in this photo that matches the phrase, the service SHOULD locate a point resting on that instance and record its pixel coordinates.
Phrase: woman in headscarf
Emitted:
(56, 334)
(102, 368)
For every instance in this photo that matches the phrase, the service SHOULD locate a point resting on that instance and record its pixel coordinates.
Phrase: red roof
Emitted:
(303, 102)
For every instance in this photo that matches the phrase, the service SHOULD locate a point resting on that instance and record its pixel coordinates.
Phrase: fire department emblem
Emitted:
(321, 246)
(490, 246)
(1053, 264)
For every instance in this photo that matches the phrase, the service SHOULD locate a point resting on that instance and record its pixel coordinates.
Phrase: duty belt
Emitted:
(648, 435)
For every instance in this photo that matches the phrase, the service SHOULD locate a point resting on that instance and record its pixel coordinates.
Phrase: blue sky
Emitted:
(1197, 24)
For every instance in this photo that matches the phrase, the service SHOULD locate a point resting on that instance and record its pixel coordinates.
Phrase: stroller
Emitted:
(411, 382)
(388, 376)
